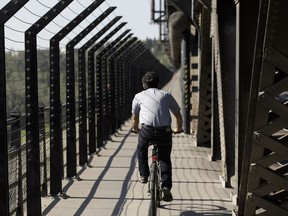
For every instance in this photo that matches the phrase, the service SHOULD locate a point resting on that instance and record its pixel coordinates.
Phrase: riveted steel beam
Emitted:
(263, 185)
(5, 14)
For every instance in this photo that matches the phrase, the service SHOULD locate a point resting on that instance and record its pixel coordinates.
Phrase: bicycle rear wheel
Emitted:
(154, 189)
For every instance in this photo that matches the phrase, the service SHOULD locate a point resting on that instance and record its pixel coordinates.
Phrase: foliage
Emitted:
(15, 74)
(157, 49)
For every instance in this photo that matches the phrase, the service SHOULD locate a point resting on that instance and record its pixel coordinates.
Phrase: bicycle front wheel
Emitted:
(153, 189)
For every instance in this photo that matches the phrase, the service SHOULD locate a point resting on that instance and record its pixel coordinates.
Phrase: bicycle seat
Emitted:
(155, 143)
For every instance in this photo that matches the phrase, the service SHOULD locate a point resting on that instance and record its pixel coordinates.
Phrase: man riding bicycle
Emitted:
(151, 109)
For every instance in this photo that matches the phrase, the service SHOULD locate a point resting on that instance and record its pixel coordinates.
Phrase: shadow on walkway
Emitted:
(110, 186)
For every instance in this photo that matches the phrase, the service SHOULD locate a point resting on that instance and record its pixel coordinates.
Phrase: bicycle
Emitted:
(155, 179)
(154, 184)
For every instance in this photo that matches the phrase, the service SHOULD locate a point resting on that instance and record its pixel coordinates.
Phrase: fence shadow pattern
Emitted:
(67, 96)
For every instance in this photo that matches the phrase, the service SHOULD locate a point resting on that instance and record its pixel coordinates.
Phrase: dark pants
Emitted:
(164, 136)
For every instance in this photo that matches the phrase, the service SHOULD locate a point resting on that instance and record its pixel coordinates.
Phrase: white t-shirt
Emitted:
(153, 106)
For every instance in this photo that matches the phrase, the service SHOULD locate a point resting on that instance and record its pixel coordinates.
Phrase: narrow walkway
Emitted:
(110, 185)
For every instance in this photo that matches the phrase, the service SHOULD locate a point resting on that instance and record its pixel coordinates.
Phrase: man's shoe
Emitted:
(144, 179)
(167, 197)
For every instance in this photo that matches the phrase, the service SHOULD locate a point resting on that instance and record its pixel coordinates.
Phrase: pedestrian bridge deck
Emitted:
(110, 185)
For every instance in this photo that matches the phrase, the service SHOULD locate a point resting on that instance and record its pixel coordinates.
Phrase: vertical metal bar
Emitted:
(226, 18)
(99, 100)
(117, 84)
(111, 77)
(56, 151)
(4, 184)
(219, 80)
(186, 94)
(215, 134)
(100, 71)
(252, 104)
(82, 110)
(91, 106)
(41, 110)
(5, 14)
(70, 113)
(246, 12)
(119, 95)
(152, 3)
(32, 129)
(4, 188)
(205, 84)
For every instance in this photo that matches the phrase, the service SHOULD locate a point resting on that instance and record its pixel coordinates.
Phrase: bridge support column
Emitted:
(186, 81)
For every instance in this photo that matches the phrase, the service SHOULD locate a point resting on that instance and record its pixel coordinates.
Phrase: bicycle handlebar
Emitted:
(173, 132)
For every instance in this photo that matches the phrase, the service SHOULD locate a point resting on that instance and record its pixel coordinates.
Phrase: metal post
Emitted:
(70, 113)
(32, 129)
(245, 13)
(205, 106)
(4, 185)
(186, 82)
(5, 14)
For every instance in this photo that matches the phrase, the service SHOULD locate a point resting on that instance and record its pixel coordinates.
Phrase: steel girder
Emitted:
(266, 147)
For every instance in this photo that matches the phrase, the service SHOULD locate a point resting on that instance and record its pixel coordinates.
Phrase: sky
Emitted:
(137, 14)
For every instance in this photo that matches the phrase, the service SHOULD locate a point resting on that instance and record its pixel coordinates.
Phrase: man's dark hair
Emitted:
(150, 80)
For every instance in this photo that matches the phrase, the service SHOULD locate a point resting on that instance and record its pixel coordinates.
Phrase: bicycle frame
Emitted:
(155, 159)
(155, 181)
